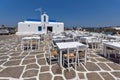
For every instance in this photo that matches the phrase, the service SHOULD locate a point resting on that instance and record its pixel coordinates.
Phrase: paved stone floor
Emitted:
(32, 65)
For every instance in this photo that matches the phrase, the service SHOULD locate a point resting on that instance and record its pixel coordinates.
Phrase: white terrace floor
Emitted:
(18, 65)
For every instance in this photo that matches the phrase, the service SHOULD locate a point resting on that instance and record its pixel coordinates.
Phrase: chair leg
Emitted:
(50, 60)
(108, 53)
(119, 57)
(75, 66)
(78, 60)
(85, 57)
(63, 61)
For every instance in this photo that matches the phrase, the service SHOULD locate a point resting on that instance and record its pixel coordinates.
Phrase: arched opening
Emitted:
(44, 18)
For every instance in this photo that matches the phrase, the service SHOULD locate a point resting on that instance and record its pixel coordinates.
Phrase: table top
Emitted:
(65, 45)
(113, 36)
(58, 36)
(29, 38)
(89, 37)
(112, 44)
(62, 39)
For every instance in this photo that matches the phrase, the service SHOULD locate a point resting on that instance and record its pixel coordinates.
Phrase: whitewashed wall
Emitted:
(28, 28)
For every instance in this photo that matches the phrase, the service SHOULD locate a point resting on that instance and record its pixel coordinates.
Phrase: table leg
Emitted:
(85, 56)
(104, 51)
(22, 46)
(92, 46)
(60, 60)
(68, 58)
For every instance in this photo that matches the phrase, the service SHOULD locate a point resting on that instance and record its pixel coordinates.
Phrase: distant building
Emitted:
(42, 26)
(4, 31)
(116, 28)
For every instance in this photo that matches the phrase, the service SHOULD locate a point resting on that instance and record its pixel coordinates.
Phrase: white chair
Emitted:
(118, 56)
(96, 42)
(34, 44)
(25, 45)
(69, 58)
(81, 54)
(110, 51)
(53, 55)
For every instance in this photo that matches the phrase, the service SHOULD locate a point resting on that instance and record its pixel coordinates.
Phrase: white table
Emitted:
(57, 40)
(117, 38)
(91, 40)
(67, 45)
(114, 45)
(29, 41)
(87, 39)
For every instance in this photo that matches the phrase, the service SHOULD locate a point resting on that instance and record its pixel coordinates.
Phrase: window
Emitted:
(39, 28)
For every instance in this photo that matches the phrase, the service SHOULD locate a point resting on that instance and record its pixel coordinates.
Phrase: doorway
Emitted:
(49, 29)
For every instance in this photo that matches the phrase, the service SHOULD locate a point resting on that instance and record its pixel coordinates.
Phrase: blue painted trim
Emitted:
(38, 20)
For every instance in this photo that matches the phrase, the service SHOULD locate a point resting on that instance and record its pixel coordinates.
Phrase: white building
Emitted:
(39, 27)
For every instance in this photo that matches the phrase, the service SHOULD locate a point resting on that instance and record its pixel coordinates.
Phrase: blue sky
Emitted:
(89, 13)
